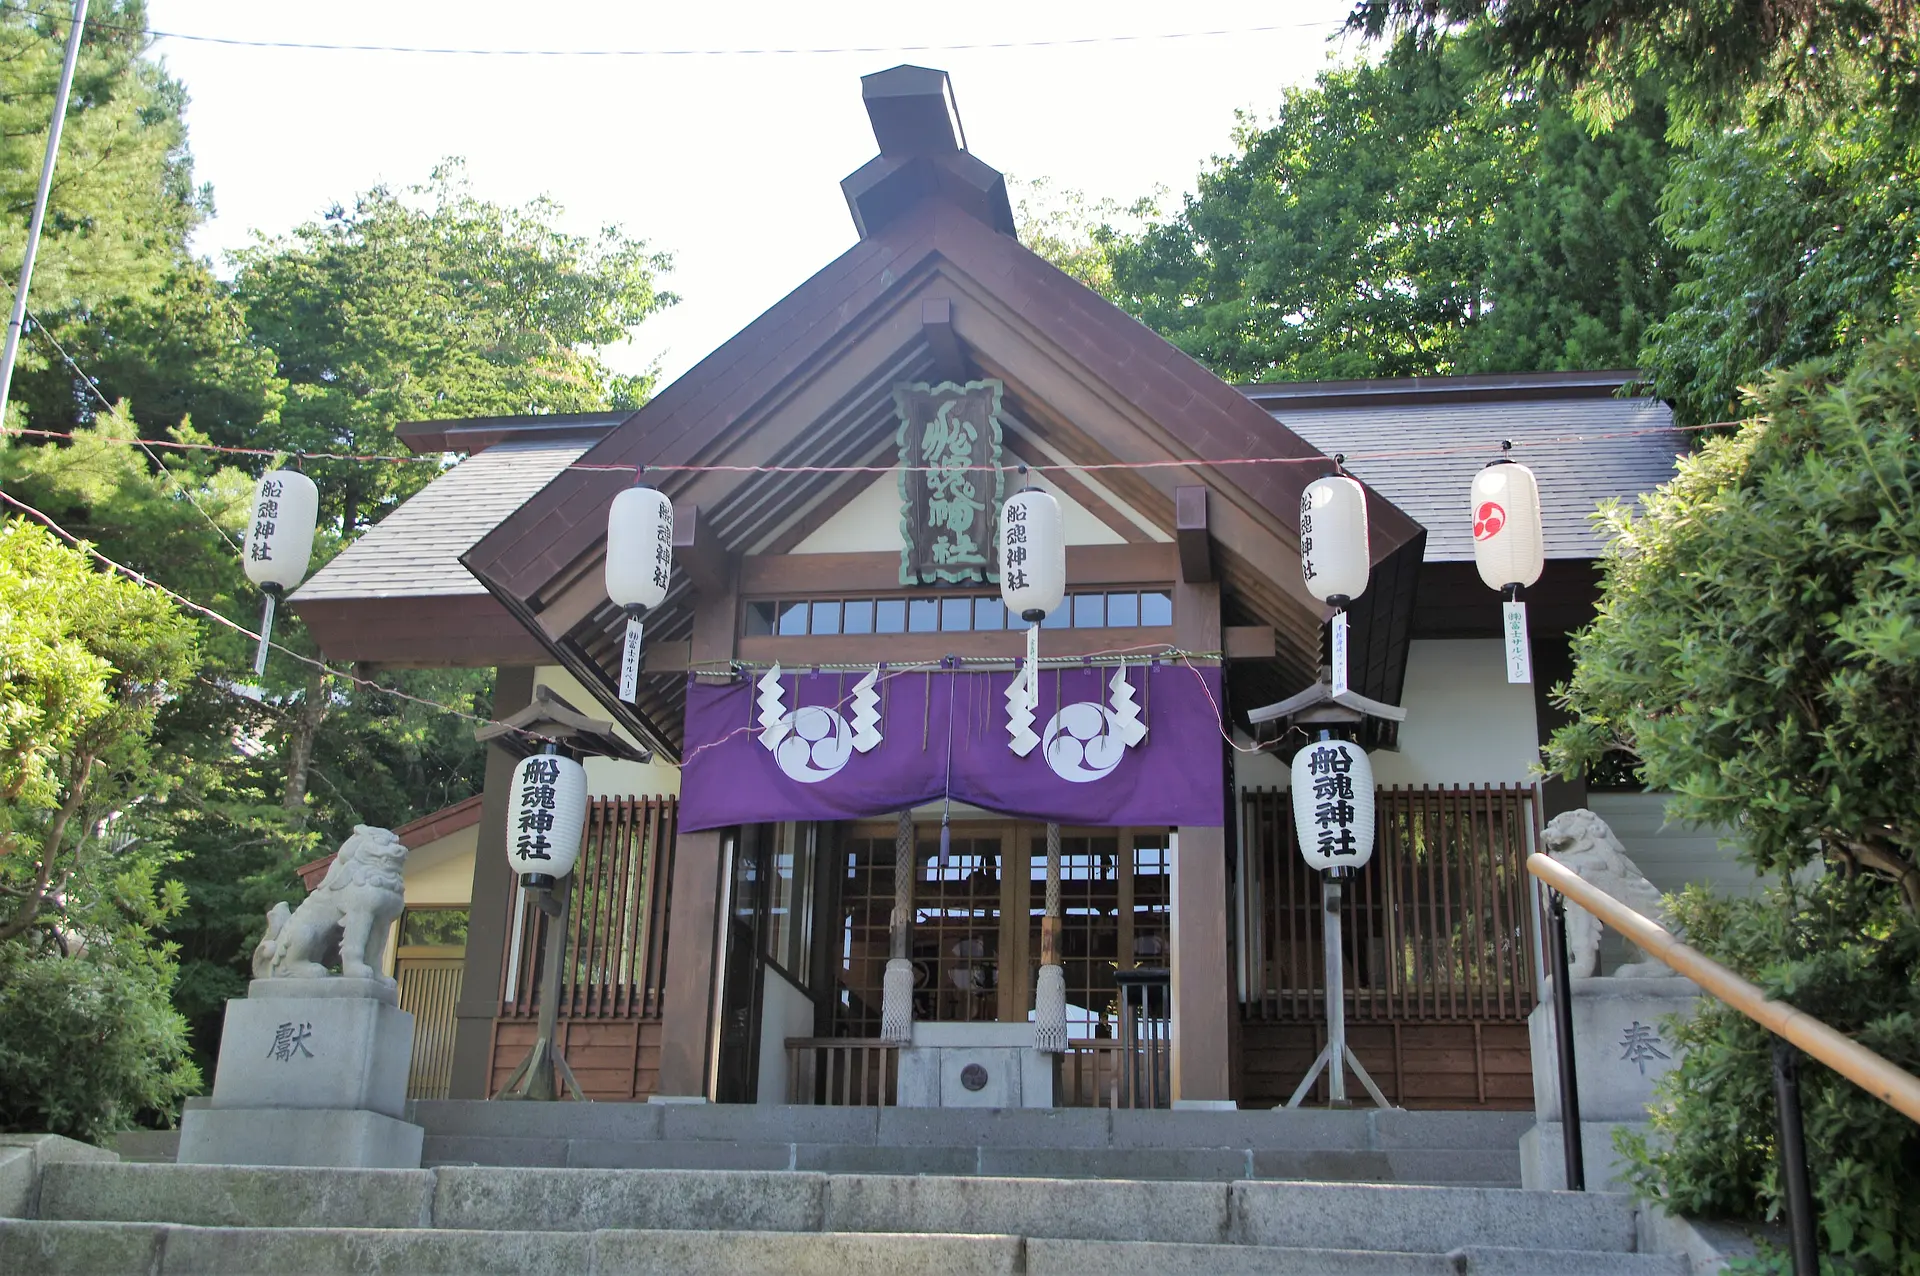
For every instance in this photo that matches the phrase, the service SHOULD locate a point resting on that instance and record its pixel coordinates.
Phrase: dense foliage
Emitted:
(86, 661)
(1757, 651)
(1410, 217)
(402, 304)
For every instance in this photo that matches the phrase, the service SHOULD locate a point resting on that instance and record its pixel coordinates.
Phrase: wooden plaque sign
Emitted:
(951, 484)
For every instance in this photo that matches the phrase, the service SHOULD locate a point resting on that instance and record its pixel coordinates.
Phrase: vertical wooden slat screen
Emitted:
(429, 989)
(1437, 928)
(616, 919)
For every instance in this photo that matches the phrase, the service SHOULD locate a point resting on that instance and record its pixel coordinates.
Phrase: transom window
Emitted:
(950, 613)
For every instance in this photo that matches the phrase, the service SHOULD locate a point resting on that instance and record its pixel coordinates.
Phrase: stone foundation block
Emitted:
(348, 1138)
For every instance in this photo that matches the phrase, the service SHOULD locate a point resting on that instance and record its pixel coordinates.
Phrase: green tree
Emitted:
(436, 305)
(1410, 217)
(88, 660)
(1797, 238)
(1757, 652)
(1714, 56)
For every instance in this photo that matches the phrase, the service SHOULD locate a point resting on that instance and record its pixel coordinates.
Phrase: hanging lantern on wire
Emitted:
(1333, 804)
(546, 814)
(1334, 554)
(639, 568)
(1509, 548)
(1033, 577)
(279, 543)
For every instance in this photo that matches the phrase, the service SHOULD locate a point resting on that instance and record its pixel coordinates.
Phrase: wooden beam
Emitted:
(878, 572)
(697, 552)
(936, 321)
(1191, 535)
(1249, 642)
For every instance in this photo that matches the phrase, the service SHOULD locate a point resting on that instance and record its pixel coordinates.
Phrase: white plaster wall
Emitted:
(441, 872)
(1465, 724)
(609, 777)
(871, 521)
(785, 1012)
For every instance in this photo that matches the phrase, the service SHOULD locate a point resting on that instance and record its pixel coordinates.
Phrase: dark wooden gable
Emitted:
(934, 288)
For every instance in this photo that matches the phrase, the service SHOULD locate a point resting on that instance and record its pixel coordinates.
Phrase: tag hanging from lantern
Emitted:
(1333, 804)
(546, 814)
(1337, 651)
(1033, 581)
(639, 568)
(279, 543)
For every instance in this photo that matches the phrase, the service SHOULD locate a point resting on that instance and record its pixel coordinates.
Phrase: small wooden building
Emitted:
(835, 470)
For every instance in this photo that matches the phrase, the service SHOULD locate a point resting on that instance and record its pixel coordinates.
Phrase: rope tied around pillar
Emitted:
(896, 990)
(1050, 992)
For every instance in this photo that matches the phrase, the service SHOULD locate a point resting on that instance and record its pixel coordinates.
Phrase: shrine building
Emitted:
(820, 743)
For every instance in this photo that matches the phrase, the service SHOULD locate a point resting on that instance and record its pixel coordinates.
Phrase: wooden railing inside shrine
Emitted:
(1439, 938)
(615, 970)
(843, 1072)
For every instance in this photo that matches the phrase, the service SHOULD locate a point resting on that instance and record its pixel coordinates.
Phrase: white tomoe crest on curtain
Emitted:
(1509, 546)
(546, 814)
(1333, 804)
(279, 544)
(1334, 556)
(639, 569)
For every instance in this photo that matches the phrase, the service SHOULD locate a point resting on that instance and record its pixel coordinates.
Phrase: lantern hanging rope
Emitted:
(279, 543)
(1050, 991)
(1509, 548)
(639, 568)
(896, 988)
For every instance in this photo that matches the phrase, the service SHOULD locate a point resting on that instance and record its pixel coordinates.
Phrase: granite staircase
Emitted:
(534, 1188)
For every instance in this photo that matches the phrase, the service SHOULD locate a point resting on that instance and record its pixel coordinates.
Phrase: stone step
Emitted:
(1441, 1167)
(1363, 1129)
(1284, 1215)
(31, 1248)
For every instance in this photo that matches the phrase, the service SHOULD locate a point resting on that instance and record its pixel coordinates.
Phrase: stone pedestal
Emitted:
(311, 1072)
(1621, 1048)
(974, 1065)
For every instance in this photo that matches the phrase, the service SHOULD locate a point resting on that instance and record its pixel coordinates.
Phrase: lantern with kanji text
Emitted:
(546, 815)
(639, 569)
(279, 543)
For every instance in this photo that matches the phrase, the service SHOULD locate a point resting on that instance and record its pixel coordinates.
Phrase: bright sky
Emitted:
(731, 163)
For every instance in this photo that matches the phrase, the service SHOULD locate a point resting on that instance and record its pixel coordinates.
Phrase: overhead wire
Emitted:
(40, 330)
(146, 581)
(1195, 463)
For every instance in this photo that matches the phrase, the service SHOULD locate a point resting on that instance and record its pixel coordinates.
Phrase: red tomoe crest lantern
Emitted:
(1490, 518)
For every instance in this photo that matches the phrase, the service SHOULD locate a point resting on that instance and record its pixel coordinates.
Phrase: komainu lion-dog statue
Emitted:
(1582, 841)
(346, 918)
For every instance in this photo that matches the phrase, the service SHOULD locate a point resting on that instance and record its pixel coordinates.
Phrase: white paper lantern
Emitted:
(1033, 554)
(546, 814)
(1334, 556)
(1509, 546)
(639, 549)
(1333, 804)
(279, 542)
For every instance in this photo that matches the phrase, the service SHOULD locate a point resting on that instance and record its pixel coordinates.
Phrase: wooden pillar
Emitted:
(693, 932)
(695, 926)
(1202, 990)
(1202, 984)
(490, 913)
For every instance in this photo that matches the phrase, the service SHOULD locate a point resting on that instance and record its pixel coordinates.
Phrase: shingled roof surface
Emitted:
(415, 550)
(1559, 439)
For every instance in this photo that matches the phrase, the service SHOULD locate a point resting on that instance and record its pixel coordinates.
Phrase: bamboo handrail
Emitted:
(1877, 1076)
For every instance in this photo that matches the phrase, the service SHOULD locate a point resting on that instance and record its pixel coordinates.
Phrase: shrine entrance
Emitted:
(977, 915)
